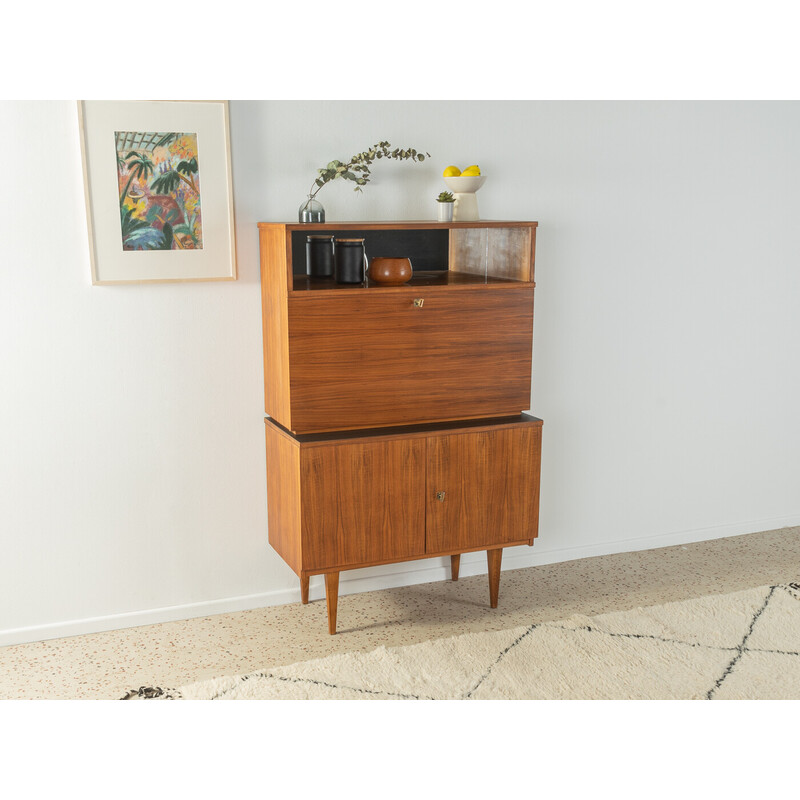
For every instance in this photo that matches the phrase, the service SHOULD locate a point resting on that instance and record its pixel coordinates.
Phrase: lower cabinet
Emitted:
(362, 498)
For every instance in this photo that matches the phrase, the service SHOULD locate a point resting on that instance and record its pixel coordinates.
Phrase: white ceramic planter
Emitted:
(466, 203)
(445, 211)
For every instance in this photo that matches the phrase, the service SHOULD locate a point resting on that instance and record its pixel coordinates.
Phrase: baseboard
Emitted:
(389, 576)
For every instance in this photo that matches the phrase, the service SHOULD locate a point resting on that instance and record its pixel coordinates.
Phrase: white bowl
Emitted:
(468, 184)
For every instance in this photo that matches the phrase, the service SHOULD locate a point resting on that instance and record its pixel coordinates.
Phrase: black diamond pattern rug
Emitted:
(744, 645)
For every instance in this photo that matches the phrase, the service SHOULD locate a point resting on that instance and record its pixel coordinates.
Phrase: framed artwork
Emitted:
(159, 196)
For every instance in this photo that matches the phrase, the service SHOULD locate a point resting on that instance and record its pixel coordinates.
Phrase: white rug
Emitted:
(744, 645)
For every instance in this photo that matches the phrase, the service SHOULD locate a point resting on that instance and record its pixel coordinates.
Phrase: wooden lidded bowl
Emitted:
(390, 271)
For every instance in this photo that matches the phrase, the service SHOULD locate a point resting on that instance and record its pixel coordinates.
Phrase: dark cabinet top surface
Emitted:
(423, 278)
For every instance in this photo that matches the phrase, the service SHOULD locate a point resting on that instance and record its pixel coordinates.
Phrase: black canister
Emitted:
(319, 256)
(351, 260)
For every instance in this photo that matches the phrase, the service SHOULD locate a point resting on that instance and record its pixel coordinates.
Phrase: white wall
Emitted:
(665, 346)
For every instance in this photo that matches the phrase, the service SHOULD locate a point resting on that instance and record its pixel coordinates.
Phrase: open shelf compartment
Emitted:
(486, 252)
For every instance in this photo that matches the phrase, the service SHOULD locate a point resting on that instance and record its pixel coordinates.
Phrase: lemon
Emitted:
(451, 172)
(472, 170)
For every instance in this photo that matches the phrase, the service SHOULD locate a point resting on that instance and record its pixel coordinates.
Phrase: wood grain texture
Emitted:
(361, 362)
(491, 481)
(510, 253)
(493, 252)
(443, 554)
(468, 250)
(284, 489)
(362, 503)
(275, 324)
(283, 496)
(494, 557)
(304, 581)
(332, 599)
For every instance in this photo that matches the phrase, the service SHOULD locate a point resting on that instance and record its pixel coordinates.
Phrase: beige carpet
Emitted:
(744, 645)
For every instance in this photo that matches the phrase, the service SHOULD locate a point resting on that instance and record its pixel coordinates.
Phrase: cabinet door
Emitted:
(363, 503)
(483, 489)
(375, 359)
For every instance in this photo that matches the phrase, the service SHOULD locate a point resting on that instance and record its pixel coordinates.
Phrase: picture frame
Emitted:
(158, 189)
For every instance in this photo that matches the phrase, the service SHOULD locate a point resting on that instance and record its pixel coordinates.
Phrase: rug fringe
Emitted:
(151, 693)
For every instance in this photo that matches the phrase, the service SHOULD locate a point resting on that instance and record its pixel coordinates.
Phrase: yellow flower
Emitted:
(185, 147)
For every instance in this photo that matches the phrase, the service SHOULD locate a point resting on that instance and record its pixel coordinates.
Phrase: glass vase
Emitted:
(311, 210)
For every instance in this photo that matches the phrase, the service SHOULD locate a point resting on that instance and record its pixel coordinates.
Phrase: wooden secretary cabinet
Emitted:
(394, 428)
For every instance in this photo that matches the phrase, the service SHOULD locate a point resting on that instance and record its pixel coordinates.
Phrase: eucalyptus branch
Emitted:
(357, 169)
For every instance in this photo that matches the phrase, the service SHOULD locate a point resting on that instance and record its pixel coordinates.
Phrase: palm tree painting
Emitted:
(159, 191)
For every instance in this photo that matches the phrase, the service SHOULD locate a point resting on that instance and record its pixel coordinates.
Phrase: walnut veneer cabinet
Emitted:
(395, 428)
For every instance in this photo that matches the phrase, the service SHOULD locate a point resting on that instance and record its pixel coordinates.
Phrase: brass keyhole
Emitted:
(440, 496)
(418, 301)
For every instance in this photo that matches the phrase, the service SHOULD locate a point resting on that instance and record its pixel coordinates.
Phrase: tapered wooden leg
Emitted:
(304, 589)
(332, 598)
(455, 562)
(494, 557)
